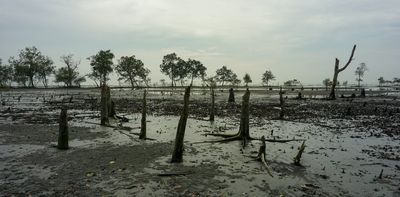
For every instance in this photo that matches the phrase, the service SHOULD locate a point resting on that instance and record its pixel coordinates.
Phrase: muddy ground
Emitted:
(349, 142)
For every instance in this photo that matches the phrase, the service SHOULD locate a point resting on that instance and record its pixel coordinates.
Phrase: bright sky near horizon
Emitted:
(293, 39)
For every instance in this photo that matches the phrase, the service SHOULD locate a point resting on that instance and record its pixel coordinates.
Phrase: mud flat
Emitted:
(352, 146)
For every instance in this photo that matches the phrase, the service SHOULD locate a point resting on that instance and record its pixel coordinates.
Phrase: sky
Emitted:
(293, 39)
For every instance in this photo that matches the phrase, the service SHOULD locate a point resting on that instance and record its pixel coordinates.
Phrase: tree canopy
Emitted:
(132, 70)
(267, 76)
(102, 65)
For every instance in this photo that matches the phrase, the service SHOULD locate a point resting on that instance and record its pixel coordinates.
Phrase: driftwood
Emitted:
(298, 156)
(174, 174)
(180, 133)
(261, 156)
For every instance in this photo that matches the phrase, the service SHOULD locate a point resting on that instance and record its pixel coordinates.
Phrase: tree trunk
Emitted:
(143, 120)
(282, 104)
(180, 133)
(337, 70)
(103, 106)
(212, 110)
(244, 132)
(63, 130)
(231, 98)
(109, 103)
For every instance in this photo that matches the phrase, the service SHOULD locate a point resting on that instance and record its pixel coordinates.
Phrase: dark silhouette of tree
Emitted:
(102, 66)
(196, 70)
(327, 82)
(6, 75)
(182, 71)
(267, 77)
(360, 70)
(247, 79)
(31, 65)
(69, 74)
(293, 82)
(169, 66)
(225, 75)
(337, 70)
(132, 70)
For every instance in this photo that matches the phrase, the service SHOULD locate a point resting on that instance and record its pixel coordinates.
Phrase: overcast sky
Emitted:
(294, 39)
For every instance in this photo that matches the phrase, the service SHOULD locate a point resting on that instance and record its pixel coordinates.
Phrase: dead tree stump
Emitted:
(180, 133)
(363, 92)
(63, 130)
(282, 104)
(103, 106)
(262, 154)
(298, 156)
(231, 98)
(244, 132)
(109, 102)
(212, 110)
(112, 110)
(143, 120)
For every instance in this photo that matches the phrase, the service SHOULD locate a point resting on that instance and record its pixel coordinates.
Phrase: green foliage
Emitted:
(132, 70)
(196, 70)
(247, 79)
(31, 65)
(360, 70)
(226, 75)
(267, 77)
(6, 73)
(69, 74)
(169, 66)
(102, 66)
(293, 82)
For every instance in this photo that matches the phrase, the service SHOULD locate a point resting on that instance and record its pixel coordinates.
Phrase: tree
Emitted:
(163, 83)
(196, 70)
(360, 70)
(6, 73)
(337, 70)
(327, 82)
(182, 71)
(381, 81)
(45, 69)
(234, 80)
(396, 80)
(224, 75)
(69, 74)
(79, 80)
(169, 66)
(102, 66)
(132, 70)
(267, 76)
(31, 65)
(293, 82)
(247, 79)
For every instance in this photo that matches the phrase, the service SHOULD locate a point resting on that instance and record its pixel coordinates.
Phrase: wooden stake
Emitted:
(298, 156)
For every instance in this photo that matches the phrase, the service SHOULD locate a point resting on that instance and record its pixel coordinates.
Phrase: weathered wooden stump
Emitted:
(362, 92)
(244, 131)
(63, 130)
(103, 106)
(231, 98)
(142, 134)
(282, 104)
(212, 110)
(112, 110)
(298, 156)
(180, 133)
(109, 102)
